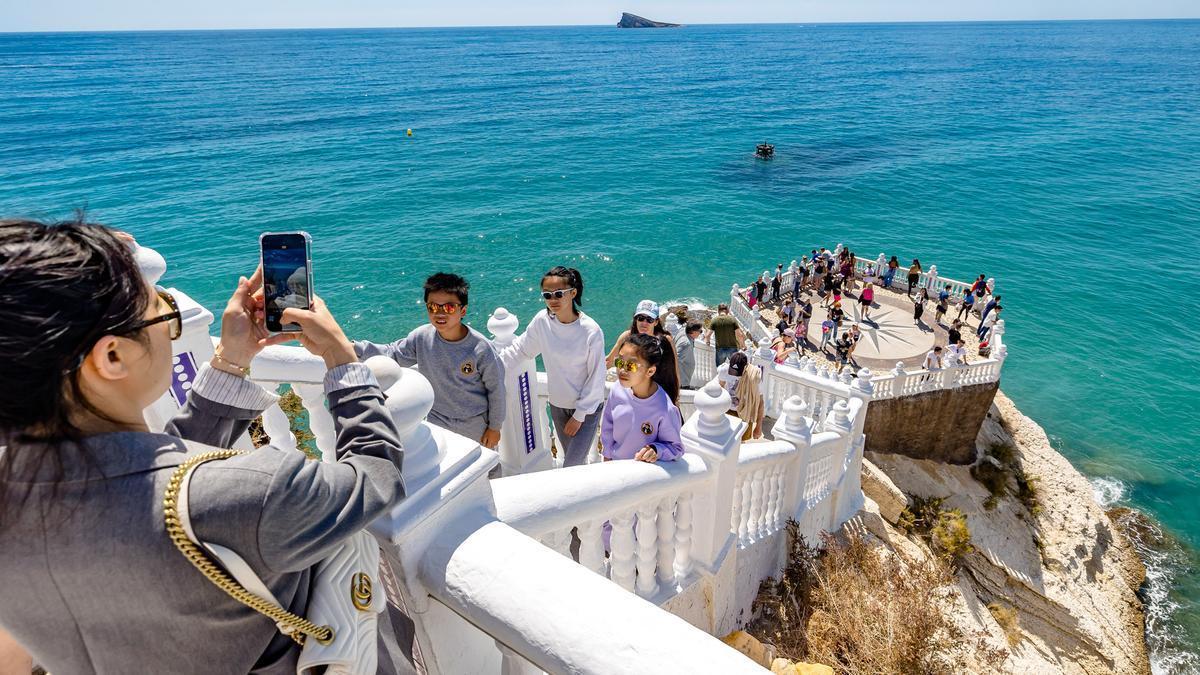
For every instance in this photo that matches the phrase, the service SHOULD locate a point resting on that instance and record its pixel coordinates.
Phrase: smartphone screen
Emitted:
(287, 276)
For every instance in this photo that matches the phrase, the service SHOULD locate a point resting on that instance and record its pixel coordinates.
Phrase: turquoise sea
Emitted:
(1061, 158)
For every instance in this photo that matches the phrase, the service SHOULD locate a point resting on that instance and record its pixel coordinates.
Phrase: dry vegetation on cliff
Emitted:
(860, 609)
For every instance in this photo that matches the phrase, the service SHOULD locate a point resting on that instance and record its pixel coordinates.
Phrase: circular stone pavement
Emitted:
(889, 335)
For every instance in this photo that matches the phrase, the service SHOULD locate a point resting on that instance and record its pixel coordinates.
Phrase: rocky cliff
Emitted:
(1051, 583)
(634, 21)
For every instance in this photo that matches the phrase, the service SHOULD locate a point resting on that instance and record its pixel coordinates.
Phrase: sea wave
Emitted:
(1164, 559)
(693, 304)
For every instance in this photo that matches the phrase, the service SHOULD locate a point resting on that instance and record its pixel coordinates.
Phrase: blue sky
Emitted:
(34, 15)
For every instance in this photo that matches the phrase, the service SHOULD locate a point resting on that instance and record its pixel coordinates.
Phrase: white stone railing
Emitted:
(675, 526)
(648, 509)
(902, 382)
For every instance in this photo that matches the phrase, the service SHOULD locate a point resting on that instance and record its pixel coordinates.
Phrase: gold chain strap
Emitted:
(300, 626)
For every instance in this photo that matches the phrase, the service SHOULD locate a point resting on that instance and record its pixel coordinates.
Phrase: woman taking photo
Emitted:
(572, 346)
(92, 581)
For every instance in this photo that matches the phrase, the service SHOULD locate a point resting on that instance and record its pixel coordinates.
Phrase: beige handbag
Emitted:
(341, 630)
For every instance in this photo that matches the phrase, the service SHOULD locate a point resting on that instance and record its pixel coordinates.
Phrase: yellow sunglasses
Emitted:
(626, 365)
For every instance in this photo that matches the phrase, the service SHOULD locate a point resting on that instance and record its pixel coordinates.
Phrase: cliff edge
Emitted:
(634, 21)
(1051, 583)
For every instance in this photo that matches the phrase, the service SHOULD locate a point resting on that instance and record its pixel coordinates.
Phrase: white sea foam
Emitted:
(1108, 491)
(693, 304)
(1163, 557)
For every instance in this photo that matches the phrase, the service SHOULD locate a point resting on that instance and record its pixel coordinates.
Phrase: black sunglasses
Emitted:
(643, 318)
(174, 317)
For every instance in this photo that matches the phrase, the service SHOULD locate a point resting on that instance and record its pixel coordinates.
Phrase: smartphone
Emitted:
(287, 276)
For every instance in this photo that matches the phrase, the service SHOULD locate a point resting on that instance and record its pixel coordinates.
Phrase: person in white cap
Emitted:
(645, 321)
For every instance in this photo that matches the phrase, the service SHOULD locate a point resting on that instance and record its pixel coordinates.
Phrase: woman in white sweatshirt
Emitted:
(572, 346)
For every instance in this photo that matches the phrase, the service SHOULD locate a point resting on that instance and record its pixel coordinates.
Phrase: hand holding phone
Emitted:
(287, 276)
(321, 335)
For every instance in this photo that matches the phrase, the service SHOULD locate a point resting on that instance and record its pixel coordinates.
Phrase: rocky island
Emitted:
(634, 21)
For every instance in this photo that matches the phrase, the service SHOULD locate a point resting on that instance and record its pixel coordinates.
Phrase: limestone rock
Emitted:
(877, 486)
(634, 21)
(785, 667)
(1067, 570)
(761, 653)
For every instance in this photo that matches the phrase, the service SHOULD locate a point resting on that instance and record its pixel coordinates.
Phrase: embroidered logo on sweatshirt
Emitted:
(647, 428)
(467, 367)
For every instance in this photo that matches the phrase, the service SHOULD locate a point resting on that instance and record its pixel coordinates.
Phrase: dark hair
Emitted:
(723, 307)
(63, 286)
(694, 328)
(737, 363)
(450, 283)
(660, 353)
(574, 280)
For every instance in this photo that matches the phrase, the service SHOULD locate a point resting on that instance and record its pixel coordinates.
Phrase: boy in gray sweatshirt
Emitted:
(466, 374)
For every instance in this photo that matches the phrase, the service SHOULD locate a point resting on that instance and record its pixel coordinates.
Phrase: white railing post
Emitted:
(900, 381)
(795, 428)
(524, 445)
(717, 439)
(764, 358)
(851, 496)
(999, 349)
(448, 497)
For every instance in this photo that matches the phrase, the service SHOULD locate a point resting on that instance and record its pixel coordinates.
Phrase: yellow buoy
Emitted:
(410, 133)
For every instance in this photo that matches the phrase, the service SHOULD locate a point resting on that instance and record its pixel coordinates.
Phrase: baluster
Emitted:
(320, 421)
(647, 549)
(775, 483)
(683, 537)
(743, 494)
(275, 423)
(756, 505)
(621, 560)
(666, 542)
(736, 524)
(591, 546)
(512, 663)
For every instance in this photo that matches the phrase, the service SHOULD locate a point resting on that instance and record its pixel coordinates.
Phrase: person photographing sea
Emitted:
(92, 581)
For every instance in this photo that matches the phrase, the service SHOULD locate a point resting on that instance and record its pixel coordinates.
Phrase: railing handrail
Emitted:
(550, 501)
(798, 376)
(599, 632)
(756, 455)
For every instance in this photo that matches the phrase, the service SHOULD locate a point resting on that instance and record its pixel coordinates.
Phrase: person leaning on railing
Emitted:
(92, 582)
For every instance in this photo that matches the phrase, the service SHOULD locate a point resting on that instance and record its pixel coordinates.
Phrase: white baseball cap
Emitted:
(647, 307)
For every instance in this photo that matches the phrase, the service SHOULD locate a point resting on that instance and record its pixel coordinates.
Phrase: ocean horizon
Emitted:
(1057, 156)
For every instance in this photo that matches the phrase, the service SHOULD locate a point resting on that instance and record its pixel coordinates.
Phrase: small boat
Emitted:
(764, 151)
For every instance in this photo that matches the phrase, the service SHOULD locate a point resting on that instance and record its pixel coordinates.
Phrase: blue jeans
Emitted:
(577, 447)
(723, 354)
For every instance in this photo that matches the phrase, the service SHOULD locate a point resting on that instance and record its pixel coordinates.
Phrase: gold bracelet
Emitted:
(244, 370)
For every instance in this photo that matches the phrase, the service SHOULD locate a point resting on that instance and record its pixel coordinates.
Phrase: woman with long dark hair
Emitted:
(647, 321)
(572, 346)
(92, 581)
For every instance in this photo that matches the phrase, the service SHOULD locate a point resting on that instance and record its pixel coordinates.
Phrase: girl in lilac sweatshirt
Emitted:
(641, 420)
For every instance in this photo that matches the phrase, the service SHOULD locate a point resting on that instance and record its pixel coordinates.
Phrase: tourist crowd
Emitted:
(831, 281)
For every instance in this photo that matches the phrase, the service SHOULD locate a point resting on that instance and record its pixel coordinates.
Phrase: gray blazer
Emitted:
(90, 582)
